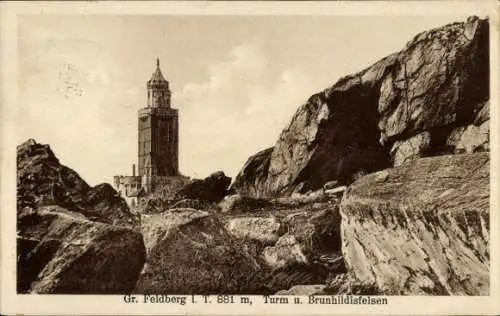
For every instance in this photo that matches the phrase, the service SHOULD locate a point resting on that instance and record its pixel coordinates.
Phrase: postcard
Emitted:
(269, 158)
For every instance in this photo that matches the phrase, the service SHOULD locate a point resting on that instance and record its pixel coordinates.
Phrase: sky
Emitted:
(236, 80)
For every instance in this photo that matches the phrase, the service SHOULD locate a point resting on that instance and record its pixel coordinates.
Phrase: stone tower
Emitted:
(158, 133)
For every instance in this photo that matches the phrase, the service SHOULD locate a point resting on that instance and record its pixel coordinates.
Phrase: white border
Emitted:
(11, 303)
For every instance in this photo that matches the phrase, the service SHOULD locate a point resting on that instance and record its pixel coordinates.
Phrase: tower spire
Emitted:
(157, 62)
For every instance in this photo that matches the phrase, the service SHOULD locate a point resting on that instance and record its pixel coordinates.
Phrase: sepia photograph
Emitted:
(300, 158)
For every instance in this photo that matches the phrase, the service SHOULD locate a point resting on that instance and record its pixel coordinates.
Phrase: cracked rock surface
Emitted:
(421, 228)
(43, 180)
(62, 252)
(71, 238)
(429, 99)
(190, 251)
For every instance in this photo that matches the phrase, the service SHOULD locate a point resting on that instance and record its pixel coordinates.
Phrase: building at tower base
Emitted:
(134, 188)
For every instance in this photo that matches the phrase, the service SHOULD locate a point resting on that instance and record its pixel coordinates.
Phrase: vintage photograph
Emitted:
(253, 154)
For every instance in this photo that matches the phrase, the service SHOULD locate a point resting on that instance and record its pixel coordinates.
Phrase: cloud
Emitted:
(243, 67)
(240, 109)
(67, 103)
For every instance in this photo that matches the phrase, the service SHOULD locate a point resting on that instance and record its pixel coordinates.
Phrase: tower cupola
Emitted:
(158, 90)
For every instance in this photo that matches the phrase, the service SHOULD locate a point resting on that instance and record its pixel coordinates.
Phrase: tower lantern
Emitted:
(158, 89)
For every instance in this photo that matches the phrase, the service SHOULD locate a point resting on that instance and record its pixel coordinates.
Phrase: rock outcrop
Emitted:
(429, 99)
(62, 252)
(211, 189)
(189, 251)
(253, 176)
(43, 180)
(421, 228)
(72, 238)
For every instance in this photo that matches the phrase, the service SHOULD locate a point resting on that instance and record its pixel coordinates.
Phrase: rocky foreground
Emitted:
(419, 228)
(379, 185)
(241, 245)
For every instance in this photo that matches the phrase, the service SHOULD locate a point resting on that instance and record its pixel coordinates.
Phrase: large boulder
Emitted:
(471, 138)
(211, 189)
(259, 229)
(428, 99)
(309, 237)
(286, 252)
(190, 252)
(410, 148)
(421, 228)
(62, 252)
(43, 180)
